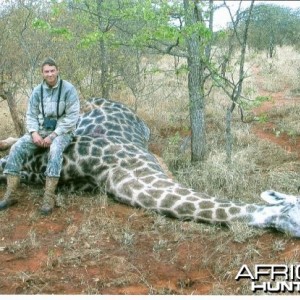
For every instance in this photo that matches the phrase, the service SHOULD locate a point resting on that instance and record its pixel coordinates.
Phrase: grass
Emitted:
(286, 119)
(246, 104)
(250, 168)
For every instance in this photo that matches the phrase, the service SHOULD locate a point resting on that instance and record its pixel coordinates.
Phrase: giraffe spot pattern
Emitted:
(133, 185)
(146, 201)
(182, 192)
(156, 194)
(234, 210)
(169, 200)
(163, 184)
(206, 204)
(221, 214)
(206, 215)
(149, 179)
(185, 209)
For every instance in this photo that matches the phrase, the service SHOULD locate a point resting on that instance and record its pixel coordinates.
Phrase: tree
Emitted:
(237, 91)
(272, 26)
(196, 76)
(102, 15)
(178, 28)
(236, 40)
(13, 63)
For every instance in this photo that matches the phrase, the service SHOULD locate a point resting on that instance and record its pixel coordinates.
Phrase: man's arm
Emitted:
(68, 121)
(33, 111)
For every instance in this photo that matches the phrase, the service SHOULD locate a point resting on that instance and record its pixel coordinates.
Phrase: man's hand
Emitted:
(47, 142)
(37, 139)
(49, 139)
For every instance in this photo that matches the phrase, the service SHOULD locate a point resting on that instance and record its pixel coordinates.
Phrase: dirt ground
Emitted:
(93, 245)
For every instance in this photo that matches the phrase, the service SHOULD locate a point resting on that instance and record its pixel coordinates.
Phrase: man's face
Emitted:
(50, 74)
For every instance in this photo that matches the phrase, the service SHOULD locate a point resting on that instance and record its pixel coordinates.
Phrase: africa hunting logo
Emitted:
(269, 278)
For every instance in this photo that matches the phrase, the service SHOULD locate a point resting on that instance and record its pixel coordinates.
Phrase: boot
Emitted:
(11, 196)
(49, 196)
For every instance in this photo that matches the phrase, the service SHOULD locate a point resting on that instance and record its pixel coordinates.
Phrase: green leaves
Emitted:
(90, 39)
(40, 24)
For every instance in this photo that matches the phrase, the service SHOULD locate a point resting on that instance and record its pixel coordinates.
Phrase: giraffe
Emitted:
(110, 151)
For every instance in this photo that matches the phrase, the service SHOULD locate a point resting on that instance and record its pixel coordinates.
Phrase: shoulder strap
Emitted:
(42, 97)
(59, 93)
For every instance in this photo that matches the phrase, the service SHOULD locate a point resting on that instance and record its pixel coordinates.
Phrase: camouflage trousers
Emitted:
(25, 147)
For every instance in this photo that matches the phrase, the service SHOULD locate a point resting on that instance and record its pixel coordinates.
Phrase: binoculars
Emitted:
(49, 124)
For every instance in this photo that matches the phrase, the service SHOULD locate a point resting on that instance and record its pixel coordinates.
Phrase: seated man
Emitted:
(52, 114)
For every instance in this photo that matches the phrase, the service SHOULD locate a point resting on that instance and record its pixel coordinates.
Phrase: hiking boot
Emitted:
(11, 195)
(49, 196)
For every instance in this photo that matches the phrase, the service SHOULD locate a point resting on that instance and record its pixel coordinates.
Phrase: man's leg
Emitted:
(18, 152)
(55, 160)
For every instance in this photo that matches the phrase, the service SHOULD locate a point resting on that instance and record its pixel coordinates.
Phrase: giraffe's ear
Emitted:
(273, 197)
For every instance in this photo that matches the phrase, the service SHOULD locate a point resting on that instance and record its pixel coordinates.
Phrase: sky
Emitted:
(221, 17)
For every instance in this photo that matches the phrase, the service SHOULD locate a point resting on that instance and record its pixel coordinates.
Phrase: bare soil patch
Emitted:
(267, 130)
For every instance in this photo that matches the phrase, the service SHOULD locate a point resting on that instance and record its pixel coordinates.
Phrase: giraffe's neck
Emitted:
(148, 188)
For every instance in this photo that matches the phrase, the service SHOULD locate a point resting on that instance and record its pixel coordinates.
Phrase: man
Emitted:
(52, 114)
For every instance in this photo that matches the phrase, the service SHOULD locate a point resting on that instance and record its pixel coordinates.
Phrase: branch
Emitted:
(162, 48)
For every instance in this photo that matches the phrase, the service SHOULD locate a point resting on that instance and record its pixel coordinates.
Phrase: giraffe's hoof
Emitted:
(4, 204)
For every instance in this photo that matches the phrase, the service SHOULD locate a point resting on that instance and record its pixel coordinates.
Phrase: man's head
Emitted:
(50, 71)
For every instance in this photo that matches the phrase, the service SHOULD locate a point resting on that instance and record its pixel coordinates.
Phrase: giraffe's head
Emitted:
(287, 219)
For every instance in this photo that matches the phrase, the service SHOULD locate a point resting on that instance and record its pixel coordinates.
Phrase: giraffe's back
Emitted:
(114, 120)
(107, 133)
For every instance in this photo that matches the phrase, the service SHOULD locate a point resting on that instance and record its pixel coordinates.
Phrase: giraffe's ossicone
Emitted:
(110, 151)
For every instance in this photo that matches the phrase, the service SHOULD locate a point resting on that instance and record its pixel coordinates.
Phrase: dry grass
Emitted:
(256, 163)
(277, 73)
(286, 119)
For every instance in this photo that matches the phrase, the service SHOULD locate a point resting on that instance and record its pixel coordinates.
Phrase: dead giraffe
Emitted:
(110, 150)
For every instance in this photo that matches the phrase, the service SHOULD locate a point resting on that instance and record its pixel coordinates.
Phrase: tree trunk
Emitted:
(103, 54)
(195, 85)
(104, 70)
(197, 106)
(18, 123)
(229, 138)
(239, 86)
